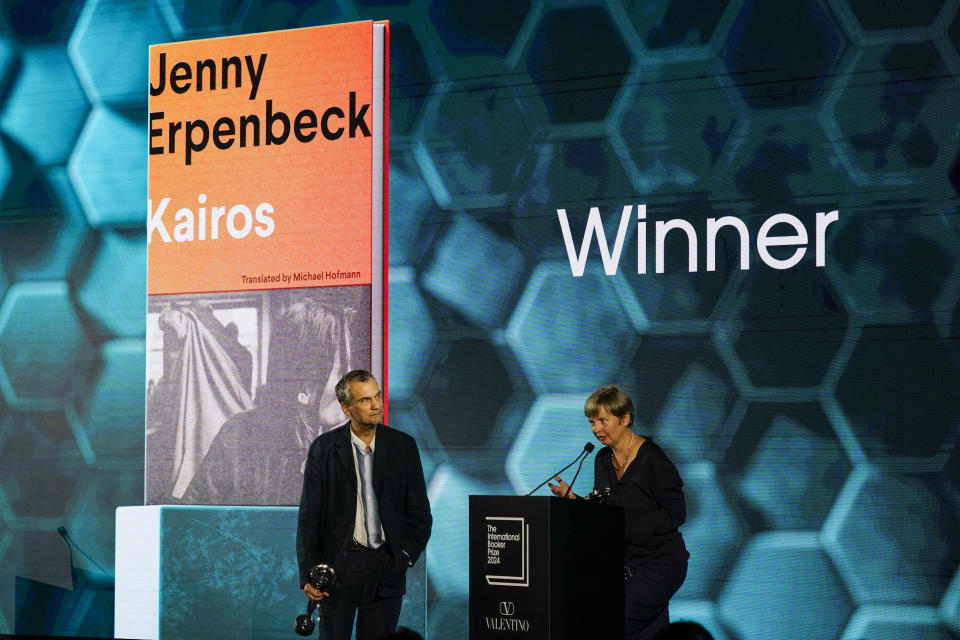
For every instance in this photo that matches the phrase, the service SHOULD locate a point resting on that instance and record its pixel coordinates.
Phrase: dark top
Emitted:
(651, 494)
(328, 504)
(254, 459)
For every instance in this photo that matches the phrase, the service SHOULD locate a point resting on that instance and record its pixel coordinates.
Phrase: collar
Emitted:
(357, 442)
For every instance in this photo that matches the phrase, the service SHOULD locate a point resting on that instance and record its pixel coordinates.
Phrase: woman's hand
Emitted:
(561, 489)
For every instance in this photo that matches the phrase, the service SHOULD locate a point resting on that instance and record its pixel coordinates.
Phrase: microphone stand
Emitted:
(582, 456)
(82, 577)
(579, 466)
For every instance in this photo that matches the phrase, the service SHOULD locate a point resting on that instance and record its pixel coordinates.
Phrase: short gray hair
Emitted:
(343, 385)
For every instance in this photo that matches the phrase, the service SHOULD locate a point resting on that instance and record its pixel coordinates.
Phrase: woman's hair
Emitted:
(613, 399)
(304, 341)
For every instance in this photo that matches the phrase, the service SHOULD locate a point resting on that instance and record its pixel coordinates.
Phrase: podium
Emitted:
(545, 568)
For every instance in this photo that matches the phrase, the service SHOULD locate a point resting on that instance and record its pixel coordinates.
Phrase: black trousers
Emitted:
(355, 594)
(647, 595)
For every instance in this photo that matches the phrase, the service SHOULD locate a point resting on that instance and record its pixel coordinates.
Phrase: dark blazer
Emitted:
(328, 504)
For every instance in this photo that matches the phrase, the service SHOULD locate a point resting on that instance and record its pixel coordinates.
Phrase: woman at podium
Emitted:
(642, 479)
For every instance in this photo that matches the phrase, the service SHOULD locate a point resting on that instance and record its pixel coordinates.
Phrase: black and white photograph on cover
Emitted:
(238, 386)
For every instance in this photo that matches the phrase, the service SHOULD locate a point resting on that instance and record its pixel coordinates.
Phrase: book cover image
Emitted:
(265, 281)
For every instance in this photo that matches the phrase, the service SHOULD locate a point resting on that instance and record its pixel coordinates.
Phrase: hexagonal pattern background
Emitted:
(812, 411)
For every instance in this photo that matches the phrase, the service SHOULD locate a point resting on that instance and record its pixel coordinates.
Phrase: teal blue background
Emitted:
(812, 412)
(226, 571)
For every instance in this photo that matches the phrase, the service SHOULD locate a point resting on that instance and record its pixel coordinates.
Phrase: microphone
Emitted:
(587, 450)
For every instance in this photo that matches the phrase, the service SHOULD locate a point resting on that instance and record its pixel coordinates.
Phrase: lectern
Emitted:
(545, 568)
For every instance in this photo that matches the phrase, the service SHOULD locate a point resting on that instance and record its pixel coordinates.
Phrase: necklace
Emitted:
(626, 455)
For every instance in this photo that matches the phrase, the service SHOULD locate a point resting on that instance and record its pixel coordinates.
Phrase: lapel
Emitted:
(381, 456)
(344, 455)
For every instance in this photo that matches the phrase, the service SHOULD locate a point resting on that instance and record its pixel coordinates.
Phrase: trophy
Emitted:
(322, 578)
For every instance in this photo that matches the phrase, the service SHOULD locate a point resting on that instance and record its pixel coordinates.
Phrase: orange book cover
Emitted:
(266, 260)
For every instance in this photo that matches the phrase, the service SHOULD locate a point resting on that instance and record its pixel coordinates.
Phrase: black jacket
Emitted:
(328, 504)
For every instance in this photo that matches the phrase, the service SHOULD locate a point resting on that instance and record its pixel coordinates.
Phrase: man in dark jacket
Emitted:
(364, 511)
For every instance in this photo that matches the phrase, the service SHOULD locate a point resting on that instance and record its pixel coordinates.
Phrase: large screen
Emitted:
(744, 213)
(266, 192)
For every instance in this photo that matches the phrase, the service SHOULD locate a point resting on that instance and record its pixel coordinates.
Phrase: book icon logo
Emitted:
(508, 551)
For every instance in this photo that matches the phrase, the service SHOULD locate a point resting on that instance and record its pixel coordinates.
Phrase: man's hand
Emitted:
(313, 594)
(561, 489)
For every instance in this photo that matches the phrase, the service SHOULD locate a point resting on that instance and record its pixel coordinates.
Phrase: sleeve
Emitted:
(669, 510)
(418, 521)
(309, 539)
